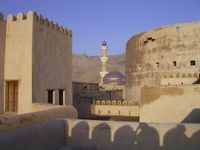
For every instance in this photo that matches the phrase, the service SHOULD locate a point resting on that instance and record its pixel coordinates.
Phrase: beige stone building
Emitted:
(163, 71)
(162, 76)
(35, 62)
(84, 94)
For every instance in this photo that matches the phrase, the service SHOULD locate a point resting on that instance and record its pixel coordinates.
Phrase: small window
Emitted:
(139, 67)
(50, 96)
(174, 63)
(99, 112)
(149, 38)
(85, 87)
(61, 96)
(109, 112)
(157, 64)
(192, 63)
(178, 28)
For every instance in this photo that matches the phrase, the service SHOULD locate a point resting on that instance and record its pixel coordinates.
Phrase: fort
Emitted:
(163, 56)
(36, 62)
(164, 73)
(161, 87)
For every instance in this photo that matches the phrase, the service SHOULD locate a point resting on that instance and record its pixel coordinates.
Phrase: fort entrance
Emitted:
(11, 98)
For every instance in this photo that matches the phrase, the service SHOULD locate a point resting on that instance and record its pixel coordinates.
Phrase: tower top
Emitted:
(104, 43)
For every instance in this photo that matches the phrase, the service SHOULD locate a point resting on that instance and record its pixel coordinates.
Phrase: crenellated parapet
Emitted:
(49, 23)
(115, 108)
(1, 16)
(115, 102)
(21, 16)
(168, 32)
(31, 15)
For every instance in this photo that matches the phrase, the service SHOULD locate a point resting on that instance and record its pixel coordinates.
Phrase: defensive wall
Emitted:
(52, 59)
(85, 93)
(115, 108)
(41, 50)
(2, 54)
(18, 56)
(166, 55)
(8, 124)
(163, 71)
(97, 135)
(170, 104)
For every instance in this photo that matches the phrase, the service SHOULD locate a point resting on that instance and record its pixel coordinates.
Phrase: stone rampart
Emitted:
(128, 135)
(29, 119)
(115, 108)
(170, 104)
(115, 102)
(69, 134)
(153, 57)
(40, 19)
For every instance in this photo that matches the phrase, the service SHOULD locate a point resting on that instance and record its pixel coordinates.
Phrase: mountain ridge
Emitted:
(86, 68)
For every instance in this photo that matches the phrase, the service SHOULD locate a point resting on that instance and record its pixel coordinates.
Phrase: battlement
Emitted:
(49, 23)
(1, 16)
(20, 16)
(31, 15)
(115, 108)
(115, 102)
(172, 32)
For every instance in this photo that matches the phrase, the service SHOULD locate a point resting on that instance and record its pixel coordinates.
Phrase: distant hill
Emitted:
(86, 68)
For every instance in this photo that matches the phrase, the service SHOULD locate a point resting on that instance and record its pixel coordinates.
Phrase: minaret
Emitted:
(104, 60)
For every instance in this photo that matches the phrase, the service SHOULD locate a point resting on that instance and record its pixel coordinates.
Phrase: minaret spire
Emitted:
(104, 60)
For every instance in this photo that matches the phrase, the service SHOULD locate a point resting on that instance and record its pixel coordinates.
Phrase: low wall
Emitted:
(73, 134)
(115, 110)
(107, 135)
(175, 103)
(34, 107)
(44, 136)
(11, 123)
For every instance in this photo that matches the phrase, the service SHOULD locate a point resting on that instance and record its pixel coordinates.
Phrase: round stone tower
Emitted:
(104, 60)
(166, 56)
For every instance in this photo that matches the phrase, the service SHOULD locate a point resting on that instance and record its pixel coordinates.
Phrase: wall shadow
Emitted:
(101, 136)
(125, 138)
(195, 141)
(147, 137)
(48, 135)
(143, 137)
(176, 139)
(192, 117)
(80, 135)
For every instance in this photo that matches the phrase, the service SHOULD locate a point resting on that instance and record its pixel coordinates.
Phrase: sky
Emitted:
(114, 21)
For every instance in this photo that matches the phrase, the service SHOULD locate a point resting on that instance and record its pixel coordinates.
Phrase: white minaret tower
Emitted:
(104, 60)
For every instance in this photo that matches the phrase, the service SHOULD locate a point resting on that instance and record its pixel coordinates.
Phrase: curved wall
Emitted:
(164, 56)
(29, 119)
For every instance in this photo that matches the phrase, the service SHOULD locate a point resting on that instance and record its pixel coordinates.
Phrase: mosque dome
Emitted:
(115, 78)
(104, 43)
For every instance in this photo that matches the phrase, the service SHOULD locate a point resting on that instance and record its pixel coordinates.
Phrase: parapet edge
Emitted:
(39, 18)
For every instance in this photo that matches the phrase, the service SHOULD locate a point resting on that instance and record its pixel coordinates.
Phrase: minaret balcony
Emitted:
(104, 59)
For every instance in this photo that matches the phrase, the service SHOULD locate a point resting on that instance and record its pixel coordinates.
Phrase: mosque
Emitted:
(110, 88)
(109, 80)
